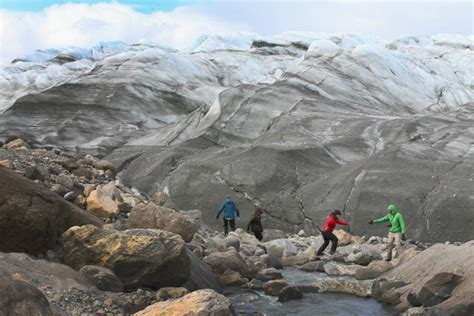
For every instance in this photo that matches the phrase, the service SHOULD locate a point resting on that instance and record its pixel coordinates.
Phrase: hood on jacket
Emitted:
(392, 209)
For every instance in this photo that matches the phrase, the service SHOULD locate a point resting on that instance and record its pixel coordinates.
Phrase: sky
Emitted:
(28, 25)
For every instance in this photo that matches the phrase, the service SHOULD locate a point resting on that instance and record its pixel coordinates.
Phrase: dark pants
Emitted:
(258, 235)
(226, 225)
(328, 237)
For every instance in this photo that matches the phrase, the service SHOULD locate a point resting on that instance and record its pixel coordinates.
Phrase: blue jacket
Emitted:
(229, 208)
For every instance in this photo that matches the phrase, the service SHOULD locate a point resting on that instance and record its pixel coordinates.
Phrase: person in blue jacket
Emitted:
(230, 210)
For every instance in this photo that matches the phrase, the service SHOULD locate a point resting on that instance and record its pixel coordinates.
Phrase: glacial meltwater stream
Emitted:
(257, 303)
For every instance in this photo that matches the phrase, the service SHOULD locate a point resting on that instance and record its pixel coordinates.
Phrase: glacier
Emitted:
(296, 122)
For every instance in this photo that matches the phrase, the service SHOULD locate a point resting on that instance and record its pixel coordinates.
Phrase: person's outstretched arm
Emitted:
(341, 222)
(380, 220)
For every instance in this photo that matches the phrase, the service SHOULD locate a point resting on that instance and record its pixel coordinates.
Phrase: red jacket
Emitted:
(331, 224)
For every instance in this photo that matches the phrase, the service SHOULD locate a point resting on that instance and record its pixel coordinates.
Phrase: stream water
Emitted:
(255, 302)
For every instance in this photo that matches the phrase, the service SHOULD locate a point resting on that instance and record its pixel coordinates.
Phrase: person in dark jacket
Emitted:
(230, 210)
(327, 232)
(255, 224)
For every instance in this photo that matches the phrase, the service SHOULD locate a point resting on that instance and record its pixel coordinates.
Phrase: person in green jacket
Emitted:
(397, 230)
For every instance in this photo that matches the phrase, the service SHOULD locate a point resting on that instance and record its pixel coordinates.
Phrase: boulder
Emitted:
(232, 241)
(80, 200)
(436, 271)
(343, 285)
(407, 255)
(127, 202)
(387, 291)
(7, 163)
(281, 248)
(274, 287)
(313, 266)
(202, 276)
(33, 173)
(163, 199)
(245, 237)
(151, 258)
(16, 144)
(194, 216)
(310, 253)
(337, 269)
(85, 172)
(216, 243)
(269, 274)
(221, 261)
(101, 205)
(364, 257)
(41, 273)
(343, 236)
(272, 234)
(435, 290)
(18, 297)
(255, 264)
(32, 218)
(357, 240)
(232, 278)
(415, 311)
(170, 293)
(289, 293)
(292, 261)
(271, 261)
(65, 181)
(88, 188)
(68, 164)
(373, 270)
(104, 279)
(249, 250)
(198, 303)
(255, 284)
(154, 216)
(105, 165)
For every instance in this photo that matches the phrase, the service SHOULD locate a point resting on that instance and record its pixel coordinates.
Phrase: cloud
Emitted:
(380, 18)
(84, 25)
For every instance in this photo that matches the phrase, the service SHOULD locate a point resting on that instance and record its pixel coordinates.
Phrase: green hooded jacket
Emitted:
(395, 219)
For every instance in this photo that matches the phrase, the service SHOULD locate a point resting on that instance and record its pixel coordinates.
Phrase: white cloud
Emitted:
(85, 25)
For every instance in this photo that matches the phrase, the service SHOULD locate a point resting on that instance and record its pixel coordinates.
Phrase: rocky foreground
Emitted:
(74, 240)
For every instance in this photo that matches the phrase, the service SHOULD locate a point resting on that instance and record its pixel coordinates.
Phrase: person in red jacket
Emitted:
(327, 229)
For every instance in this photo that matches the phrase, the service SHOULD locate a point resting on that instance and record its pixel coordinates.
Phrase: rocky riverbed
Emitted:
(75, 240)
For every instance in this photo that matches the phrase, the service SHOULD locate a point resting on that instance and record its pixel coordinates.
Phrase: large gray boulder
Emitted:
(446, 279)
(435, 290)
(232, 260)
(201, 276)
(151, 258)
